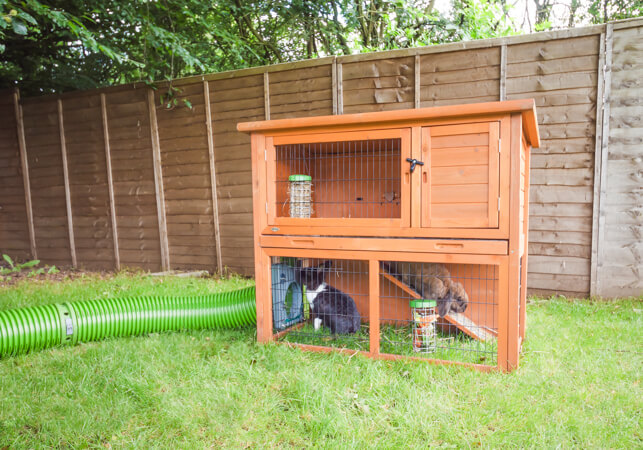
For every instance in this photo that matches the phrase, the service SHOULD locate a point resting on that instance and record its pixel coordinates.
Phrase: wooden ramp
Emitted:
(459, 320)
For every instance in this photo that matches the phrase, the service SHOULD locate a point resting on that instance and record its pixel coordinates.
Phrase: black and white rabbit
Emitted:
(329, 306)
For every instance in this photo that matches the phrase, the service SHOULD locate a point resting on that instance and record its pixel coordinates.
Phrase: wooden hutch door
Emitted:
(460, 176)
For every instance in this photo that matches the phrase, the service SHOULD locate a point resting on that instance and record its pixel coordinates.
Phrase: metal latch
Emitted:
(414, 162)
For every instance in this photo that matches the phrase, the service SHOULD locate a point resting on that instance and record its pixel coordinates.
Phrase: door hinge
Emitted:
(498, 203)
(266, 207)
(265, 155)
(499, 145)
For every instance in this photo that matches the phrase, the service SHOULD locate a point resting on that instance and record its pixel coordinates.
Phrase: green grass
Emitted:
(579, 385)
(397, 340)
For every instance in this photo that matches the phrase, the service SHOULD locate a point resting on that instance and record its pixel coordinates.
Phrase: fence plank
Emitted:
(158, 182)
(25, 171)
(70, 219)
(110, 182)
(266, 95)
(503, 72)
(213, 176)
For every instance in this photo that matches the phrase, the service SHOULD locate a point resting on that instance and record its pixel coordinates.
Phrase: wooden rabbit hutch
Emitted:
(418, 218)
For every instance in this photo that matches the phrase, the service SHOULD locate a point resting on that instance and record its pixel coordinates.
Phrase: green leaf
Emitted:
(32, 263)
(19, 27)
(53, 269)
(8, 259)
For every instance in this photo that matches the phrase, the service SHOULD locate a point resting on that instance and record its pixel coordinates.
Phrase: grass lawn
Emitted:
(579, 385)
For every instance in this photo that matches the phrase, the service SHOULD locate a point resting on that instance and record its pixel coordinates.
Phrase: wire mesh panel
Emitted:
(320, 302)
(350, 179)
(458, 305)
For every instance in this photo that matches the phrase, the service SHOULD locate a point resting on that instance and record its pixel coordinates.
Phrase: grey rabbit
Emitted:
(329, 306)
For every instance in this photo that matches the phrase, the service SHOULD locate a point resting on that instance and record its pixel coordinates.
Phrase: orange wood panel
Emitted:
(494, 173)
(525, 233)
(445, 258)
(406, 182)
(465, 174)
(469, 215)
(504, 149)
(460, 193)
(474, 200)
(453, 133)
(366, 228)
(269, 177)
(485, 247)
(527, 107)
(426, 190)
(503, 306)
(310, 138)
(416, 177)
(390, 125)
(459, 156)
(264, 327)
(513, 333)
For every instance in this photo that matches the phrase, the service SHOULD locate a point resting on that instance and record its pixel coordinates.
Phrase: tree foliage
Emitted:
(53, 46)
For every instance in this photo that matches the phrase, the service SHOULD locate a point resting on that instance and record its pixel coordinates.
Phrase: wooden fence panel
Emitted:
(570, 250)
(186, 179)
(85, 146)
(301, 92)
(14, 229)
(469, 76)
(133, 175)
(562, 76)
(378, 85)
(620, 264)
(235, 100)
(42, 137)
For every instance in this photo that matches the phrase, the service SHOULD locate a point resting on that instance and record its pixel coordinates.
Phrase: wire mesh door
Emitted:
(352, 179)
(441, 311)
(322, 302)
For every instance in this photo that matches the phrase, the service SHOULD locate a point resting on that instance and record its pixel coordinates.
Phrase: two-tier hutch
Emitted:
(426, 204)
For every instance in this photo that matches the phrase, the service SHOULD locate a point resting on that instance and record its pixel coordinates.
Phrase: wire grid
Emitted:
(350, 277)
(401, 282)
(351, 179)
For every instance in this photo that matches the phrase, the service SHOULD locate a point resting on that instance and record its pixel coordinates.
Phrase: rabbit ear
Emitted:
(444, 305)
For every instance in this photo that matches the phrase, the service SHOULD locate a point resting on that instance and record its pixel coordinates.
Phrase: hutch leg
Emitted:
(525, 257)
(264, 297)
(513, 341)
(523, 297)
(503, 314)
(374, 306)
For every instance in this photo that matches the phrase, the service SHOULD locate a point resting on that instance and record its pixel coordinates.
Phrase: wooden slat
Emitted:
(340, 89)
(600, 180)
(334, 85)
(63, 149)
(213, 176)
(266, 95)
(110, 182)
(158, 182)
(24, 164)
(503, 72)
(417, 81)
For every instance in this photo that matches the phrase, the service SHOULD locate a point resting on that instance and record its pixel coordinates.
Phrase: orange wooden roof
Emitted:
(527, 107)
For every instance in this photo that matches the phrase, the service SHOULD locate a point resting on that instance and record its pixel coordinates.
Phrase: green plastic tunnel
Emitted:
(29, 329)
